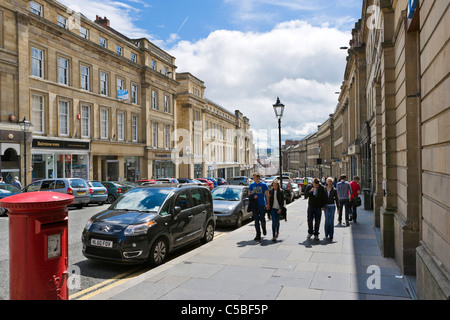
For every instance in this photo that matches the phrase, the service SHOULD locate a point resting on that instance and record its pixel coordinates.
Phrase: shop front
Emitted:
(60, 159)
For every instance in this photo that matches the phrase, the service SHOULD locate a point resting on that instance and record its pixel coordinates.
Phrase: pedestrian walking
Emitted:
(316, 202)
(356, 191)
(276, 205)
(330, 208)
(344, 191)
(259, 191)
(16, 183)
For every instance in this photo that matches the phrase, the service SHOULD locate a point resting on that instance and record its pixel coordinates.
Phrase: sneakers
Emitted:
(308, 236)
(316, 237)
(258, 237)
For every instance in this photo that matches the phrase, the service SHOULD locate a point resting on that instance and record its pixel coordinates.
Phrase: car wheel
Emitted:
(209, 233)
(239, 220)
(111, 198)
(158, 252)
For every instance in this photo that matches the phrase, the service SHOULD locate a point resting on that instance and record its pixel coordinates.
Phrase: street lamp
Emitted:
(319, 162)
(278, 107)
(25, 126)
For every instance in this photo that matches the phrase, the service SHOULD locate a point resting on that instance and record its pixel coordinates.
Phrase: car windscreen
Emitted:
(142, 199)
(229, 194)
(77, 183)
(95, 184)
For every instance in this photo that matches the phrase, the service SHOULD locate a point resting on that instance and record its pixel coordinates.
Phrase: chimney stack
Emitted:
(103, 22)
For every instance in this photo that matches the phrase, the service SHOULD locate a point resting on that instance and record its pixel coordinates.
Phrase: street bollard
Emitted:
(38, 245)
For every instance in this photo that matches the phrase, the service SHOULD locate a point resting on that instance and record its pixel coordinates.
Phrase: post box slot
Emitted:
(48, 227)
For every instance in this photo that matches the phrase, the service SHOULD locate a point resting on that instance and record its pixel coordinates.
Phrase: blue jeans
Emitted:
(329, 220)
(314, 215)
(342, 203)
(260, 220)
(275, 221)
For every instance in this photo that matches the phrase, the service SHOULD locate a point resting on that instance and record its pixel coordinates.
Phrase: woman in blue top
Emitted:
(260, 192)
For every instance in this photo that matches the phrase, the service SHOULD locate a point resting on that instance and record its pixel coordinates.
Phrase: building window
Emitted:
(120, 126)
(37, 62)
(62, 21)
(166, 136)
(154, 100)
(85, 121)
(36, 8)
(119, 50)
(103, 42)
(84, 32)
(153, 65)
(38, 113)
(134, 98)
(104, 124)
(166, 104)
(133, 57)
(63, 118)
(155, 135)
(63, 71)
(85, 83)
(103, 84)
(120, 86)
(134, 128)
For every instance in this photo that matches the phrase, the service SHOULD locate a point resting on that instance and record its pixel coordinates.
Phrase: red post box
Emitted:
(38, 245)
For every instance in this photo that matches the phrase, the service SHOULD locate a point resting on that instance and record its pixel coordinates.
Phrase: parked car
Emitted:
(115, 189)
(296, 190)
(182, 180)
(213, 180)
(230, 205)
(76, 187)
(97, 192)
(7, 190)
(146, 181)
(242, 180)
(167, 180)
(210, 183)
(288, 193)
(221, 181)
(148, 222)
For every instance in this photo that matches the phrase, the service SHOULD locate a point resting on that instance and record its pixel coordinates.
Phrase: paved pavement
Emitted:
(235, 267)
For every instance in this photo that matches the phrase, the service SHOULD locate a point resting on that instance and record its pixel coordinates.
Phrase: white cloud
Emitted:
(300, 63)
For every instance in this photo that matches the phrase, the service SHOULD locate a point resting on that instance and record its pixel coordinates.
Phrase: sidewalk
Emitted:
(235, 267)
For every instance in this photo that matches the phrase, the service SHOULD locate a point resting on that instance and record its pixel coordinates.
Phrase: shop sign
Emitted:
(122, 94)
(412, 6)
(56, 144)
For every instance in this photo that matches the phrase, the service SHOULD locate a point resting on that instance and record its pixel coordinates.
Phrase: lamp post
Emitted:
(278, 107)
(25, 126)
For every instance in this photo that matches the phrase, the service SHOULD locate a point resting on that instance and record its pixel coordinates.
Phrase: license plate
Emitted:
(81, 192)
(101, 192)
(102, 243)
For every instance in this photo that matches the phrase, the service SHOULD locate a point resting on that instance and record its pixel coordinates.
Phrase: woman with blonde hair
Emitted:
(276, 204)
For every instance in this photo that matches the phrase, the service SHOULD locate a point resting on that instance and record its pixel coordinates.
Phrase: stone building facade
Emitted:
(102, 106)
(390, 127)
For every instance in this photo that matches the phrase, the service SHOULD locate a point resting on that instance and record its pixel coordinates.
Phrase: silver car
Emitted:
(76, 187)
(230, 204)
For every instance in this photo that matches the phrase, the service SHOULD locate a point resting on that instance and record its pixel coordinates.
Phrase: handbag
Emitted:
(358, 201)
(283, 213)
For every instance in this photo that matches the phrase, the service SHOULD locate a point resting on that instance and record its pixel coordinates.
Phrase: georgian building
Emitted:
(103, 106)
(390, 127)
(216, 143)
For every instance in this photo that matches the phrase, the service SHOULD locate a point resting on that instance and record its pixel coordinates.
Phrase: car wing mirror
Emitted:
(175, 212)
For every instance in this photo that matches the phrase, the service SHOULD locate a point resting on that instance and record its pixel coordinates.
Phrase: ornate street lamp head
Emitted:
(278, 107)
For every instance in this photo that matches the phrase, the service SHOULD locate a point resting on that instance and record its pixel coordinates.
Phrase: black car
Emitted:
(147, 223)
(230, 204)
(288, 192)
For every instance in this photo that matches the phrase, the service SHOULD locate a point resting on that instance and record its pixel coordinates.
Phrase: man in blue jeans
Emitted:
(260, 192)
(344, 192)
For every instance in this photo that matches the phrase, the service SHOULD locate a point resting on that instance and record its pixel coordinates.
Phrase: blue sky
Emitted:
(248, 52)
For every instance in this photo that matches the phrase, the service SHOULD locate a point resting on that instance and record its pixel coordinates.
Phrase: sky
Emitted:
(249, 52)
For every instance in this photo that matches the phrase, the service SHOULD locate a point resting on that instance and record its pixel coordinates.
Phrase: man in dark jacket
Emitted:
(316, 202)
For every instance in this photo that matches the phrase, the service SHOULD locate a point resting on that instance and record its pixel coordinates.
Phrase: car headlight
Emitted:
(88, 225)
(138, 229)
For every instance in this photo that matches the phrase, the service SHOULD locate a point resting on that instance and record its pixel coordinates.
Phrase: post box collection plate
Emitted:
(53, 246)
